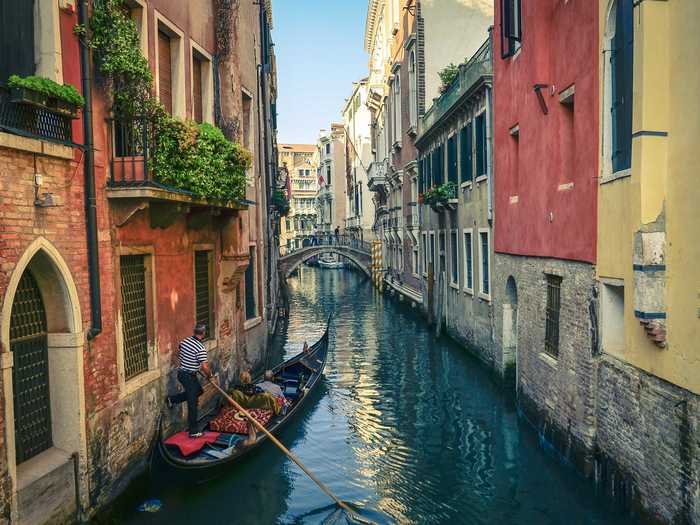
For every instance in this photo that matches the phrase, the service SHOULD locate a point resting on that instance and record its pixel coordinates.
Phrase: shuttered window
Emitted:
(454, 257)
(468, 262)
(551, 338)
(16, 38)
(480, 145)
(621, 65)
(511, 27)
(165, 76)
(437, 166)
(452, 159)
(198, 109)
(134, 314)
(466, 159)
(203, 289)
(251, 306)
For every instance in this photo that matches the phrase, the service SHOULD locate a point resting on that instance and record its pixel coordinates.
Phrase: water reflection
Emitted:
(411, 428)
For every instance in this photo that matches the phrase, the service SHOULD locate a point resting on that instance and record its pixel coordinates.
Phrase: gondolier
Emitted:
(193, 358)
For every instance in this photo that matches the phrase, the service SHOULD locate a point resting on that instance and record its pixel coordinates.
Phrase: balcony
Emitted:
(472, 74)
(377, 176)
(133, 185)
(34, 121)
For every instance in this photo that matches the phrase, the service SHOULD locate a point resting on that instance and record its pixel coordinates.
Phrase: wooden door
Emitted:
(165, 72)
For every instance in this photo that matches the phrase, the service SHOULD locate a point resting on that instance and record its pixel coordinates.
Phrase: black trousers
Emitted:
(193, 390)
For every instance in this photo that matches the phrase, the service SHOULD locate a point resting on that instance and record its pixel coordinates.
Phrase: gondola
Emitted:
(299, 377)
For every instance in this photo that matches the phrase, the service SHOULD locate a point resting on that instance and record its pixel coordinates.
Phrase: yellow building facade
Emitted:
(648, 255)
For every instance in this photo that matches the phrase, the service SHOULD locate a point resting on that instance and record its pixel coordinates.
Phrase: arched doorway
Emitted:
(30, 372)
(510, 332)
(43, 385)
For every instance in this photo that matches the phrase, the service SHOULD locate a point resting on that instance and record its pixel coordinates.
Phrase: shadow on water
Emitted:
(411, 428)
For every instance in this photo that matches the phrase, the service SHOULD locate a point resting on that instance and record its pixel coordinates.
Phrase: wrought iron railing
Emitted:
(132, 145)
(33, 121)
(324, 239)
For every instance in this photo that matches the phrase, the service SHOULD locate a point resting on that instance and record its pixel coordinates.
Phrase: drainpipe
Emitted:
(90, 200)
(489, 150)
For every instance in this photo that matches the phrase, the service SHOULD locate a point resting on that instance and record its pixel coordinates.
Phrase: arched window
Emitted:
(618, 84)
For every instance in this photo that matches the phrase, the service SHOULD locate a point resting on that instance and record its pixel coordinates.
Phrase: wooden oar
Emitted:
(289, 454)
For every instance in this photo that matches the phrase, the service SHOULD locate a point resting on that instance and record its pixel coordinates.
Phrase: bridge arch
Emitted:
(291, 262)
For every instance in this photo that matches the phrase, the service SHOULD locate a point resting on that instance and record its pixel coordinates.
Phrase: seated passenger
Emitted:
(269, 386)
(249, 395)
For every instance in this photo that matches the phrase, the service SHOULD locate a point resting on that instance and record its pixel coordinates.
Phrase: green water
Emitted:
(411, 428)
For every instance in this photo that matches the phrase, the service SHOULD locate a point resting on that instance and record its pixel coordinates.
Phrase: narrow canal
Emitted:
(410, 427)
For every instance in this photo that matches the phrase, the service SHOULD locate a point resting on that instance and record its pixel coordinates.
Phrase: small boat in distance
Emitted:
(330, 261)
(201, 459)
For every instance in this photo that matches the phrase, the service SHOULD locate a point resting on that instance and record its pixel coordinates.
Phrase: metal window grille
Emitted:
(484, 262)
(551, 340)
(454, 255)
(469, 261)
(202, 285)
(33, 121)
(30, 374)
(134, 314)
(251, 310)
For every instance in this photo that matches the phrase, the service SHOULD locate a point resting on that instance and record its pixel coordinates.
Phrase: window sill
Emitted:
(35, 145)
(481, 178)
(138, 382)
(468, 291)
(454, 286)
(466, 185)
(412, 131)
(485, 297)
(548, 359)
(397, 144)
(252, 323)
(610, 177)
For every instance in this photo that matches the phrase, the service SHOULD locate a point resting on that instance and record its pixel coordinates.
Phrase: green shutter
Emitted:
(466, 159)
(452, 159)
(480, 145)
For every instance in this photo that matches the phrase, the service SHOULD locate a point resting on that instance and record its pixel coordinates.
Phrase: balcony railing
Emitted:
(33, 121)
(353, 222)
(131, 150)
(326, 239)
(480, 65)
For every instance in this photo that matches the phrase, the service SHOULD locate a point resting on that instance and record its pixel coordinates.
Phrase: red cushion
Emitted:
(231, 420)
(188, 445)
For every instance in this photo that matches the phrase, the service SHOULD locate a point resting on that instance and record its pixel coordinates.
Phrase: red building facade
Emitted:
(546, 115)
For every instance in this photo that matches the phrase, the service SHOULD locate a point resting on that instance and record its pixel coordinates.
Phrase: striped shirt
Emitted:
(192, 354)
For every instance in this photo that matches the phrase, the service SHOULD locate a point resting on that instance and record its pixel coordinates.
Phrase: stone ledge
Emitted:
(42, 147)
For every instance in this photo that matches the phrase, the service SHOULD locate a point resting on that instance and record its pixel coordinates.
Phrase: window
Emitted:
(328, 175)
(397, 107)
(251, 303)
(613, 316)
(442, 252)
(551, 337)
(480, 145)
(246, 126)
(414, 260)
(412, 88)
(197, 104)
(203, 290)
(135, 318)
(431, 259)
(621, 69)
(16, 39)
(468, 262)
(425, 253)
(511, 29)
(452, 159)
(165, 73)
(328, 148)
(437, 166)
(485, 282)
(466, 160)
(454, 257)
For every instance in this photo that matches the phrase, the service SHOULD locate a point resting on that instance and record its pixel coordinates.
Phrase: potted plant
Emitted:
(441, 196)
(280, 202)
(43, 92)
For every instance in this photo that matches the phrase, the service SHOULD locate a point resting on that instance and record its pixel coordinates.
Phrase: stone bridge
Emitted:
(359, 255)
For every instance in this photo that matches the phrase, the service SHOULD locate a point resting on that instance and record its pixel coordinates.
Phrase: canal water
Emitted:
(412, 429)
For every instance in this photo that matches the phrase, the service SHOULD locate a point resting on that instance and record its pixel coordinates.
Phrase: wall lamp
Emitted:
(538, 89)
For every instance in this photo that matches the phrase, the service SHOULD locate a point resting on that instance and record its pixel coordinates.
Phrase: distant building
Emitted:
(332, 185)
(297, 228)
(360, 210)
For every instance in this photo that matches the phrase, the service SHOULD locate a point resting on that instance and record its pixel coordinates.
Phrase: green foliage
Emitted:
(440, 194)
(279, 201)
(48, 87)
(124, 70)
(447, 76)
(199, 159)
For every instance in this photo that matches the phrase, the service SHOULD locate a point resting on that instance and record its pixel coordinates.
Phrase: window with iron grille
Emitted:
(485, 269)
(251, 303)
(468, 262)
(551, 338)
(204, 311)
(134, 314)
(511, 27)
